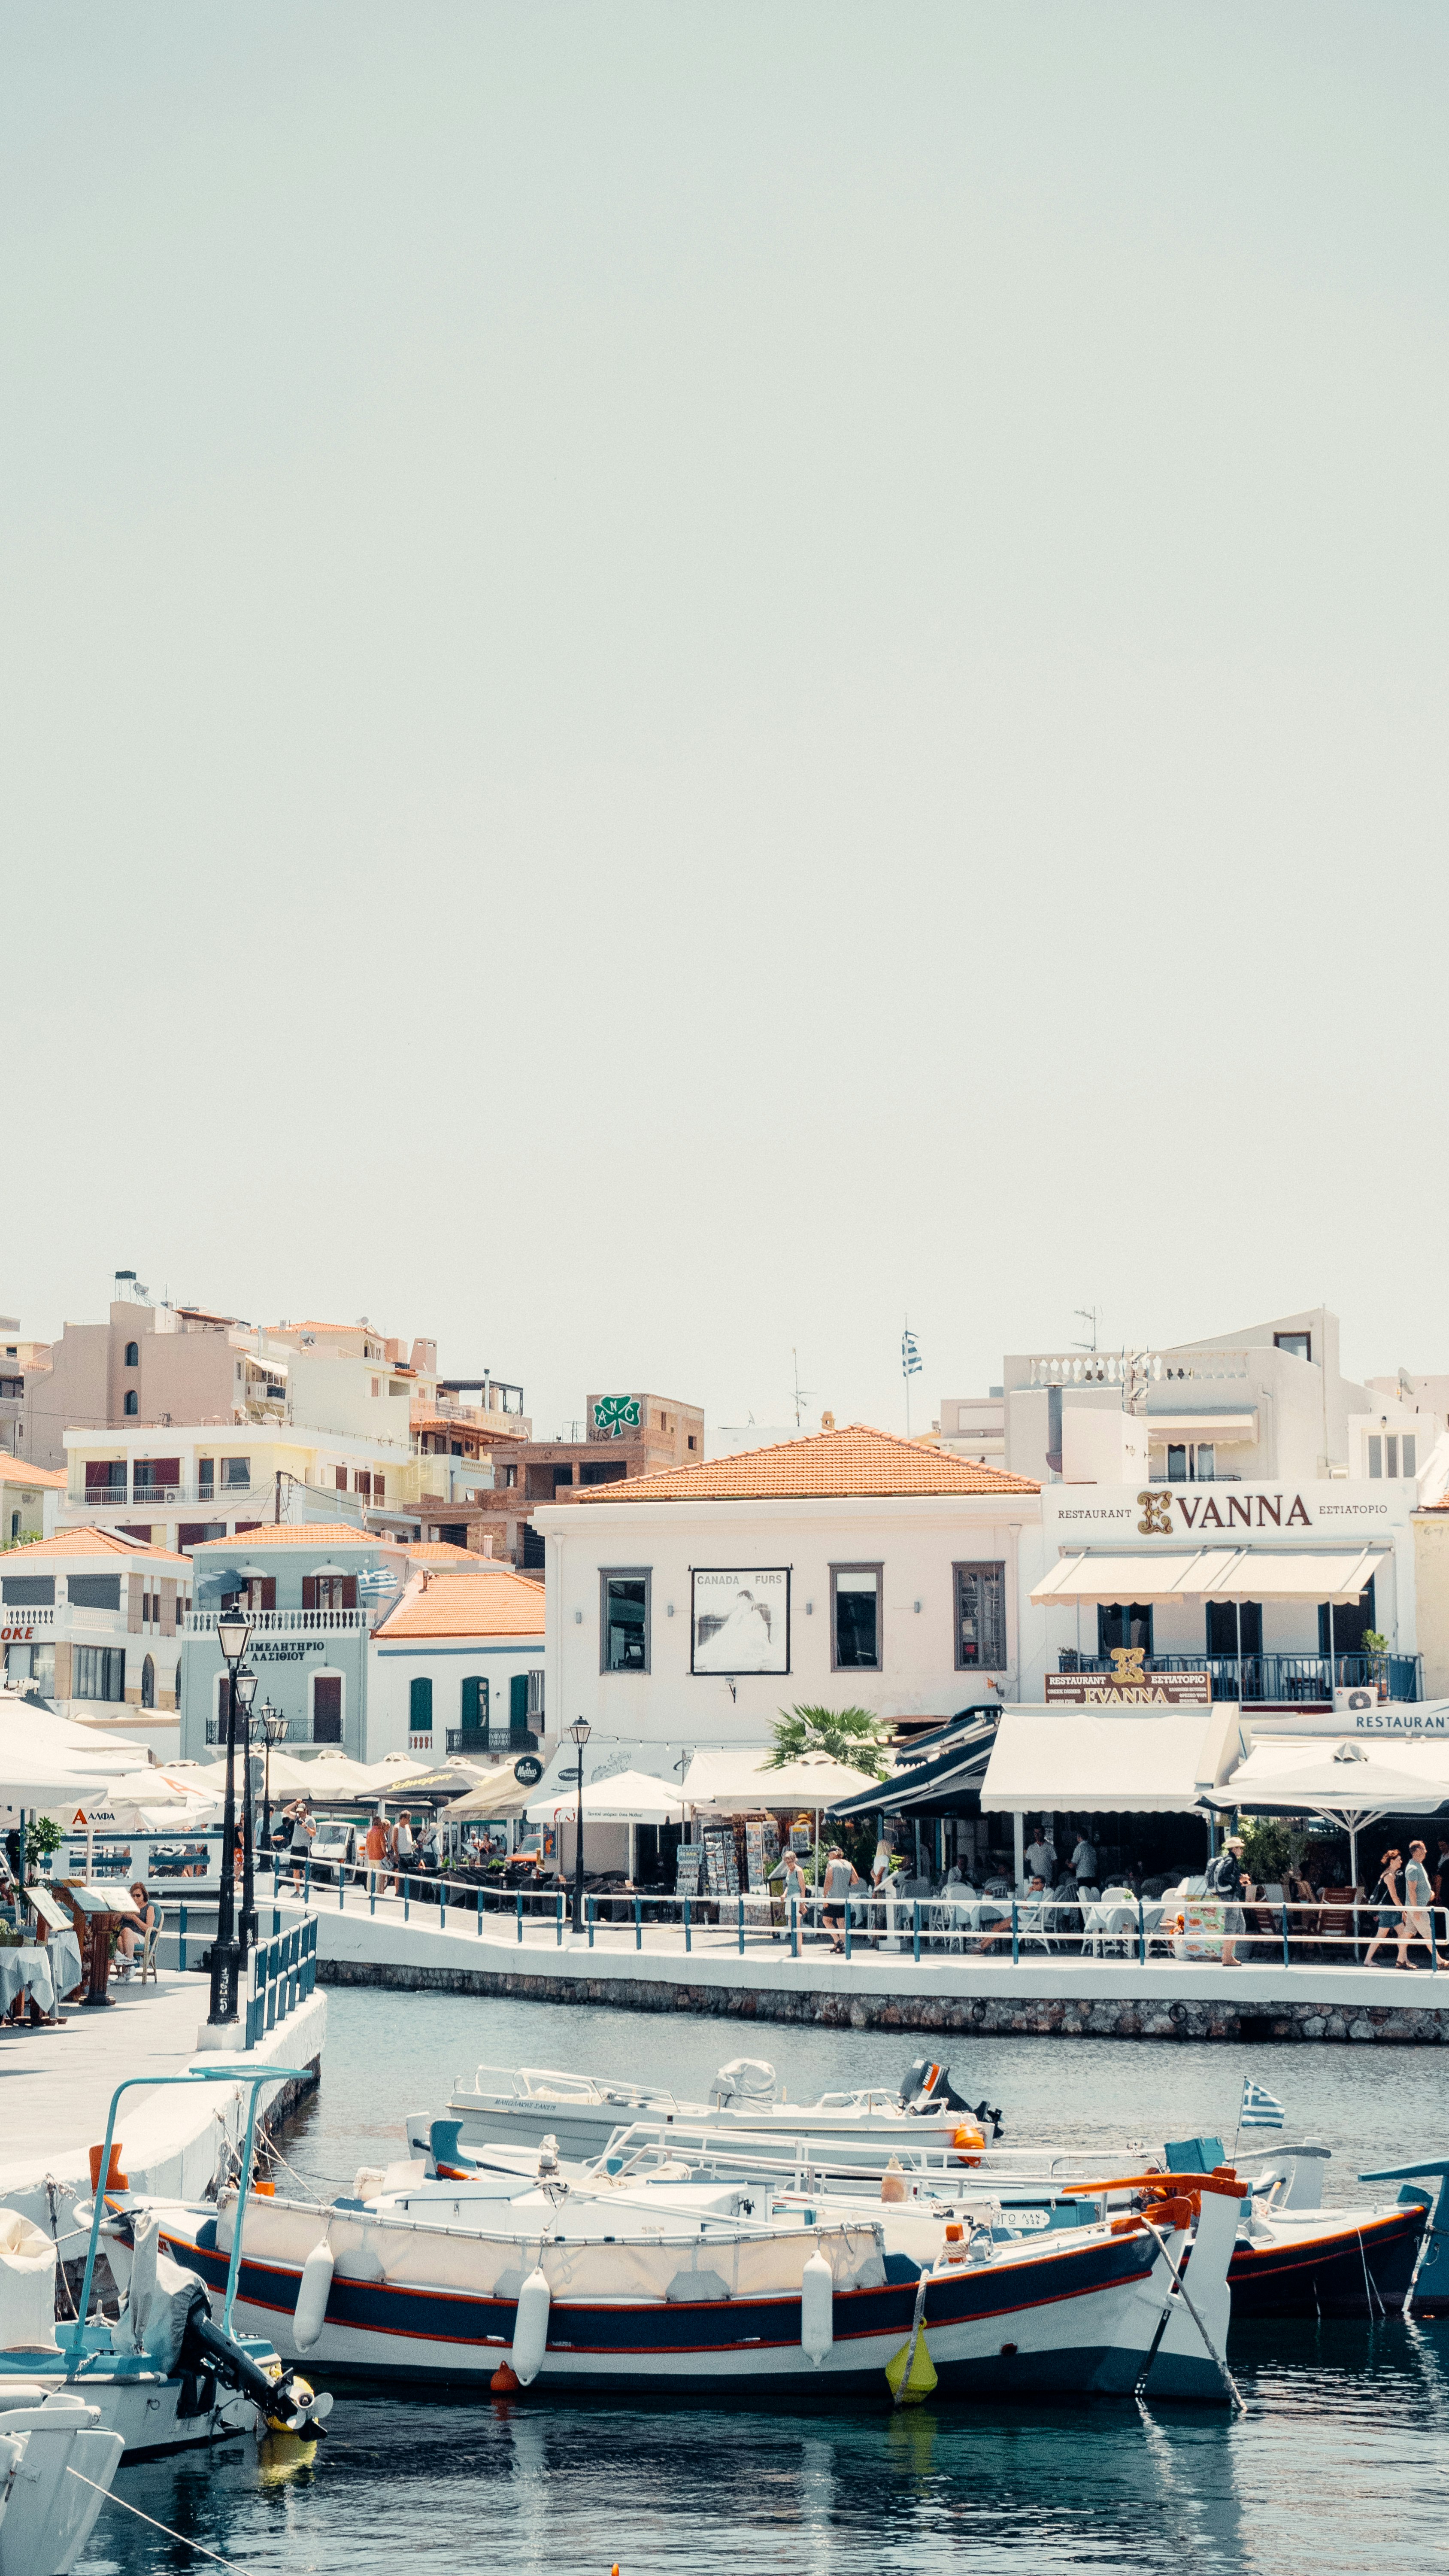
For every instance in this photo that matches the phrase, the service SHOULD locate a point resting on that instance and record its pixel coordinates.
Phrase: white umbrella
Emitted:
(736, 1782)
(630, 1798)
(1349, 1786)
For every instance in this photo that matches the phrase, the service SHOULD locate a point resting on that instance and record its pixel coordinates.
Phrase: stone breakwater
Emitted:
(1002, 2016)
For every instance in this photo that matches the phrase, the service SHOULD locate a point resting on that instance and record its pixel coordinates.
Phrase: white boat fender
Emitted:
(817, 2308)
(530, 2328)
(313, 2290)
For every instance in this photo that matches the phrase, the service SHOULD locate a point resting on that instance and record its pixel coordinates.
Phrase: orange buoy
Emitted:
(503, 2381)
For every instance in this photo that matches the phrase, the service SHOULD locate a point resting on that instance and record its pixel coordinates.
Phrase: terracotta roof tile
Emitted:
(855, 1460)
(97, 1542)
(500, 1604)
(18, 1471)
(441, 1552)
(301, 1534)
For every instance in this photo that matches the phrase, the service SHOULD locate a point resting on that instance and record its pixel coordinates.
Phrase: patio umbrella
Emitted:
(1349, 1786)
(630, 1798)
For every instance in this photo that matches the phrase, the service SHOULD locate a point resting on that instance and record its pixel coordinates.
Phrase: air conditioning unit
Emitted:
(1356, 1702)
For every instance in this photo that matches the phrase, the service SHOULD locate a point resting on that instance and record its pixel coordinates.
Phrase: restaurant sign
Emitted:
(1129, 1685)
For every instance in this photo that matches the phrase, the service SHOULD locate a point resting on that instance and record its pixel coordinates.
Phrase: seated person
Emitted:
(131, 1937)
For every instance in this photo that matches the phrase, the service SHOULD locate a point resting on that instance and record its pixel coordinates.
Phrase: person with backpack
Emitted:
(1225, 1879)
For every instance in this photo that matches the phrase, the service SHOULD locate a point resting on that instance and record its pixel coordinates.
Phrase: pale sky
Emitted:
(681, 679)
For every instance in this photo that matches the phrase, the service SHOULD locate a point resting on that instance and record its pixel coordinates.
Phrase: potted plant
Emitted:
(1378, 1646)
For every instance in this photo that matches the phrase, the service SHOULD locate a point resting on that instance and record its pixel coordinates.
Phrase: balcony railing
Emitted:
(470, 1740)
(1281, 1678)
(206, 1498)
(300, 1730)
(1128, 1368)
(16, 1620)
(281, 1623)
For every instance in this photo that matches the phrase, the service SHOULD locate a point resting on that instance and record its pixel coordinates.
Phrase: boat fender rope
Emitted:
(165, 2527)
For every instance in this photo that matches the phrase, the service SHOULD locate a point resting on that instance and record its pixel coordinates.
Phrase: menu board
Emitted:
(686, 1869)
(762, 1851)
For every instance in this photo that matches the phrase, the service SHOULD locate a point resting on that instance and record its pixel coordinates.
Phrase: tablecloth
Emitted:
(26, 1972)
(65, 1961)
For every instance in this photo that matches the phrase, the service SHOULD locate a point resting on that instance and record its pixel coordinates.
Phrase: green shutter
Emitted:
(420, 1706)
(518, 1703)
(475, 1706)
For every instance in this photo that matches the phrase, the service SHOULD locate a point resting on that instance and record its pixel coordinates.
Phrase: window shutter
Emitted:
(269, 1592)
(420, 1705)
(309, 1591)
(349, 1592)
(518, 1703)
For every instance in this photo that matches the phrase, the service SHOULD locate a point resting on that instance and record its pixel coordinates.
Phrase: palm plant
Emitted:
(849, 1735)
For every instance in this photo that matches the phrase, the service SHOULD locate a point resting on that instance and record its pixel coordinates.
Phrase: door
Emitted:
(327, 1708)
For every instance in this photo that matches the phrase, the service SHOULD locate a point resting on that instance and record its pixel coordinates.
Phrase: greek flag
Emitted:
(910, 1356)
(1259, 2111)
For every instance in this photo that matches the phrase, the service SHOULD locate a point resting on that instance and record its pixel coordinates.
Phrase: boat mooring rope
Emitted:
(165, 2527)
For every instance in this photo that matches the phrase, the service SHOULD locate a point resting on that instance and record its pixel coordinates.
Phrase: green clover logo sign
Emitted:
(616, 1414)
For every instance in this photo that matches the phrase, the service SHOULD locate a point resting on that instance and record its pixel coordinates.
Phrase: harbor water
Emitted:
(1345, 2422)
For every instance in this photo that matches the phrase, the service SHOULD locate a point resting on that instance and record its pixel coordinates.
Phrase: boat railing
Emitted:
(1337, 1927)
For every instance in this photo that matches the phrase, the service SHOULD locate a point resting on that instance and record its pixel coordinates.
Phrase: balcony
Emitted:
(1135, 1370)
(299, 1731)
(1280, 1680)
(203, 1498)
(17, 1619)
(281, 1623)
(473, 1742)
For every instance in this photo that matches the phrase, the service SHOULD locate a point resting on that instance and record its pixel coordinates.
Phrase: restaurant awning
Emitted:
(1213, 1574)
(630, 1798)
(739, 1781)
(1082, 1761)
(948, 1780)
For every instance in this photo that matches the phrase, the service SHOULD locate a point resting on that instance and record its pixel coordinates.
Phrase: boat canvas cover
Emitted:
(645, 2262)
(1089, 1761)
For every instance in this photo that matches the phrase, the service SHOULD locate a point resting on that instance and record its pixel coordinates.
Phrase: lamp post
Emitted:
(274, 1728)
(579, 1733)
(245, 1686)
(233, 1628)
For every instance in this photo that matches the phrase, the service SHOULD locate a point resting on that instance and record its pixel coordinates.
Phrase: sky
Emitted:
(681, 681)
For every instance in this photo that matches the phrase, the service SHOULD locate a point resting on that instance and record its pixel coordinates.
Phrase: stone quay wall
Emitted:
(991, 2016)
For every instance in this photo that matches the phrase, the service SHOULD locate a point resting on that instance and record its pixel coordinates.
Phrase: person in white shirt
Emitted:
(1084, 1862)
(1041, 1859)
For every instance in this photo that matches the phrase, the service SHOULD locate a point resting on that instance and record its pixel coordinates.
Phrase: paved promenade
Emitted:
(1053, 1994)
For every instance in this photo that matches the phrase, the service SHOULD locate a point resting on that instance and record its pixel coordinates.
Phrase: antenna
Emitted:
(1090, 1315)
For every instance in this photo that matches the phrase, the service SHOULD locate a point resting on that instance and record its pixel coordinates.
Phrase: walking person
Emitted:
(1226, 1879)
(375, 1850)
(1386, 1898)
(303, 1825)
(402, 1846)
(840, 1877)
(1417, 1892)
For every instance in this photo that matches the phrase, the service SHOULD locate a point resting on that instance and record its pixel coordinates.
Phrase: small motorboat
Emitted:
(161, 2373)
(57, 2461)
(670, 2285)
(529, 2103)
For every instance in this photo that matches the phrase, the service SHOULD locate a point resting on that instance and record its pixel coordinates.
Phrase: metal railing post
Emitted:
(1015, 1942)
(589, 1907)
(740, 1900)
(372, 1892)
(307, 1881)
(1433, 1945)
(847, 1927)
(558, 1920)
(1286, 1960)
(183, 1934)
(1141, 1935)
(794, 1925)
(407, 1897)
(518, 1894)
(638, 1922)
(341, 1886)
(686, 1924)
(442, 1905)
(916, 1929)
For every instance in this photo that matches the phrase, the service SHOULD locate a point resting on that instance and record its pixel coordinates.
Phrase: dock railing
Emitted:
(1337, 1928)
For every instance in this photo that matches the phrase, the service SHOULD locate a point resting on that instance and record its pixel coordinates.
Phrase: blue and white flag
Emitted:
(1260, 2110)
(910, 1356)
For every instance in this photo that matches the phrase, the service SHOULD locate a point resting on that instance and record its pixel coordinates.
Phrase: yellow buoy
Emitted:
(923, 2373)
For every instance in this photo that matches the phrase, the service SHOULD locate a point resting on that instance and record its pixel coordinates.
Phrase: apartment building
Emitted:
(624, 1436)
(92, 1622)
(21, 1363)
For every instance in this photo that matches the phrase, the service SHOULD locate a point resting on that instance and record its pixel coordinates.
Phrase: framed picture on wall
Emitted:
(740, 1619)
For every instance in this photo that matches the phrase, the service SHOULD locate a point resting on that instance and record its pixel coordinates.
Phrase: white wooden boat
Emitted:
(57, 2461)
(675, 2288)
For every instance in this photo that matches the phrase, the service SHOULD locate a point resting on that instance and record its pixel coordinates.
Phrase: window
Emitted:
(624, 1621)
(205, 1479)
(152, 1476)
(327, 1708)
(340, 1479)
(475, 1705)
(236, 1471)
(329, 1592)
(691, 1439)
(1190, 1463)
(15, 1525)
(1391, 1454)
(1410, 1448)
(98, 1672)
(1299, 1346)
(133, 1355)
(603, 1471)
(1123, 1623)
(531, 1541)
(362, 1481)
(1222, 1627)
(855, 1622)
(1350, 1621)
(28, 1591)
(980, 1618)
(105, 1480)
(518, 1704)
(508, 1476)
(378, 1485)
(420, 1705)
(535, 1690)
(132, 1403)
(94, 1591)
(148, 1684)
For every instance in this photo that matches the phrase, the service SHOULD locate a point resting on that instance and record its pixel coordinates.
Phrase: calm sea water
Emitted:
(1338, 2467)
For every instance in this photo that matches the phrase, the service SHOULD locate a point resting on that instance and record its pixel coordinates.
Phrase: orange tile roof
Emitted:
(453, 1604)
(18, 1471)
(301, 1534)
(855, 1460)
(99, 1542)
(441, 1551)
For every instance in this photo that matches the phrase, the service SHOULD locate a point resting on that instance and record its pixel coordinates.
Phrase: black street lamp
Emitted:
(579, 1733)
(274, 1727)
(245, 1686)
(233, 1628)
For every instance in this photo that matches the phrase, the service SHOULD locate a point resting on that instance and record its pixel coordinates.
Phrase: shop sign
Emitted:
(1129, 1685)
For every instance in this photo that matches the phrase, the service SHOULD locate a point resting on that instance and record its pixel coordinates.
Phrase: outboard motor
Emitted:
(928, 2088)
(745, 2083)
(169, 2317)
(288, 2404)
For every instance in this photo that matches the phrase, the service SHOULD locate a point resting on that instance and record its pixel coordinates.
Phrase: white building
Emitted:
(93, 1622)
(686, 1609)
(457, 1667)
